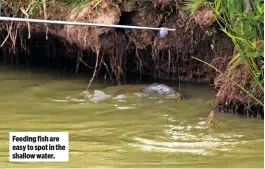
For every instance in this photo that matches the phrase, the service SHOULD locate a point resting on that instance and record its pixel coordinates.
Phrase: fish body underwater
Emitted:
(159, 88)
(153, 88)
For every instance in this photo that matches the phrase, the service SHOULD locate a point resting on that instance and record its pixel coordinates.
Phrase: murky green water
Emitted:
(131, 132)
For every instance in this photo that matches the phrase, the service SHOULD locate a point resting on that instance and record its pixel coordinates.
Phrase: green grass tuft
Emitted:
(80, 3)
(193, 5)
(243, 22)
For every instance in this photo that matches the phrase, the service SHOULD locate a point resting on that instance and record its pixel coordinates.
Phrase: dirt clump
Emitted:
(88, 37)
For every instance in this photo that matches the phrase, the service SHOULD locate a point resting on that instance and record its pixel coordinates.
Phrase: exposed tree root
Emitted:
(95, 69)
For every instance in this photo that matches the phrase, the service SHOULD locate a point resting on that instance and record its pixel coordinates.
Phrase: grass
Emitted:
(29, 7)
(32, 6)
(193, 5)
(81, 3)
(76, 3)
(232, 81)
(35, 5)
(243, 22)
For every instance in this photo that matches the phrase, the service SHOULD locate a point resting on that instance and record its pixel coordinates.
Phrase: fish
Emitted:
(161, 89)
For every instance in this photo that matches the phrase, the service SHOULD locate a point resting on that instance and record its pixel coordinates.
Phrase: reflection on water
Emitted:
(130, 130)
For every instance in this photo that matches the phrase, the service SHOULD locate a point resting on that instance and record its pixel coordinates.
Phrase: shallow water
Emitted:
(132, 131)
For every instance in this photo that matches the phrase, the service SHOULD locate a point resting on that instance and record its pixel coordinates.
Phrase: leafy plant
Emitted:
(243, 22)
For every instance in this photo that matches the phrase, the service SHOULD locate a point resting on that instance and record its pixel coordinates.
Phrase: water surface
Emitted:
(132, 131)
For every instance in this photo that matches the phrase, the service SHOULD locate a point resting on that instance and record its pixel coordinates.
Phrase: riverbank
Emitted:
(116, 51)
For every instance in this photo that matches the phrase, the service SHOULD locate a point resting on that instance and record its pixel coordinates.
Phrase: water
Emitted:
(132, 131)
